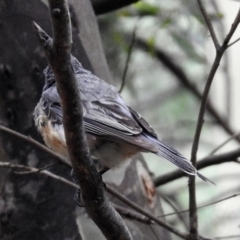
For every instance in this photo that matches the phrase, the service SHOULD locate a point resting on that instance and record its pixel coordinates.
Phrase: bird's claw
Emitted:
(78, 198)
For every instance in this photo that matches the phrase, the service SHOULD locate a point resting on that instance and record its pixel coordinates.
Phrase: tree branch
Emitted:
(227, 237)
(224, 143)
(145, 213)
(202, 206)
(205, 162)
(180, 75)
(176, 211)
(192, 193)
(58, 53)
(37, 170)
(149, 218)
(34, 143)
(128, 58)
(209, 24)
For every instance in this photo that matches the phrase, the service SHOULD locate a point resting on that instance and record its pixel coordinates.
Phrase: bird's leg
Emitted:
(100, 167)
(78, 198)
(73, 175)
(103, 170)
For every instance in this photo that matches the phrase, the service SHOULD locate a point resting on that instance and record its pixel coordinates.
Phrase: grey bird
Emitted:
(114, 131)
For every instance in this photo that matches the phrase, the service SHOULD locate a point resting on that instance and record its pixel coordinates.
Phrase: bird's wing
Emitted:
(51, 104)
(105, 112)
(102, 103)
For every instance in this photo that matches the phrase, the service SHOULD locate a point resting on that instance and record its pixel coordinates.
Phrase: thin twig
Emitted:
(227, 237)
(145, 213)
(122, 210)
(181, 218)
(222, 32)
(208, 161)
(205, 162)
(128, 58)
(220, 51)
(34, 143)
(148, 216)
(230, 44)
(155, 234)
(202, 206)
(224, 143)
(181, 76)
(38, 169)
(209, 24)
(128, 213)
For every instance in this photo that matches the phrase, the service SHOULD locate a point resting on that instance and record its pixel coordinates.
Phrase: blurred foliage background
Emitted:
(169, 45)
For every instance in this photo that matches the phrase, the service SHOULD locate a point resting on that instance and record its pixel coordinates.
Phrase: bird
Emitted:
(114, 131)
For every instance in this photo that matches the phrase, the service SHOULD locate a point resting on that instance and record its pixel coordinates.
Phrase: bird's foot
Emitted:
(78, 198)
(103, 170)
(100, 167)
(74, 177)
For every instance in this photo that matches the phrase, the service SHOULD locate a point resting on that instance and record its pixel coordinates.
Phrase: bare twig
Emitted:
(224, 143)
(227, 237)
(145, 213)
(37, 170)
(205, 162)
(202, 206)
(128, 58)
(209, 24)
(180, 75)
(220, 51)
(230, 44)
(228, 82)
(58, 53)
(208, 161)
(128, 213)
(132, 214)
(122, 210)
(34, 143)
(181, 218)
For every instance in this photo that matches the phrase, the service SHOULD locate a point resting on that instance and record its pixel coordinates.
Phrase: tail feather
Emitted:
(204, 178)
(179, 160)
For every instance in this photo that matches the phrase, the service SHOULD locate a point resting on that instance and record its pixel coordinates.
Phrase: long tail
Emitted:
(179, 160)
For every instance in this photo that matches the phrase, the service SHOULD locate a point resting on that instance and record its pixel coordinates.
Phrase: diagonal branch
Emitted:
(202, 206)
(58, 53)
(34, 143)
(205, 162)
(209, 24)
(128, 58)
(126, 212)
(145, 213)
(180, 75)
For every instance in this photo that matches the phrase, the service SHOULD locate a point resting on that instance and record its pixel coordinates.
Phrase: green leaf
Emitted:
(146, 8)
